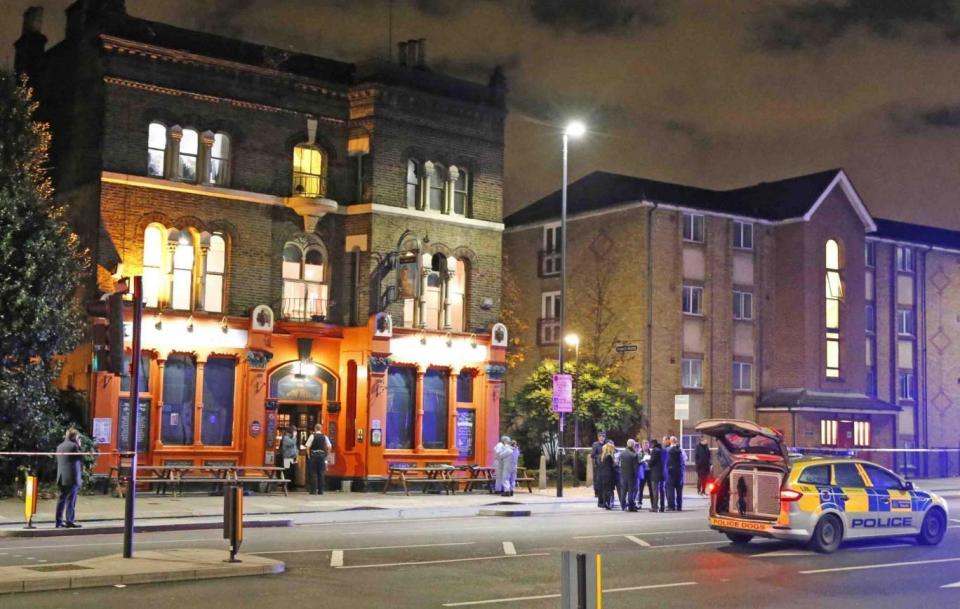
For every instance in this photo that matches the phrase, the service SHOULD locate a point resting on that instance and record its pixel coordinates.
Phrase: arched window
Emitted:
(153, 238)
(304, 290)
(457, 293)
(216, 263)
(834, 294)
(460, 194)
(437, 190)
(413, 184)
(187, 163)
(181, 273)
(218, 168)
(309, 172)
(156, 149)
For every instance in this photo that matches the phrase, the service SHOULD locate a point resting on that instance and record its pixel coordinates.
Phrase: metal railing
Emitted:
(303, 309)
(309, 185)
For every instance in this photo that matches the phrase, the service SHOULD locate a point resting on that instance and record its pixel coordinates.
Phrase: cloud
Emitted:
(688, 130)
(597, 16)
(916, 121)
(476, 70)
(817, 23)
(223, 17)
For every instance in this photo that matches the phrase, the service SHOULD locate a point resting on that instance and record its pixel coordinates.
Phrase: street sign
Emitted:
(626, 347)
(562, 393)
(681, 407)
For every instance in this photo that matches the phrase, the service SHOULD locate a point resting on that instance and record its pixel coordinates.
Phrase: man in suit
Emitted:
(628, 471)
(655, 477)
(69, 476)
(676, 464)
(595, 450)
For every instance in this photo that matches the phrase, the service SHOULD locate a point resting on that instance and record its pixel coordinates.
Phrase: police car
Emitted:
(763, 492)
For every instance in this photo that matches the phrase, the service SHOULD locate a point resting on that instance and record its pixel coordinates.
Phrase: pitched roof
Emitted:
(779, 200)
(917, 233)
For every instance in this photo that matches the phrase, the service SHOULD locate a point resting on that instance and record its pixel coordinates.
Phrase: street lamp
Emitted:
(573, 129)
(572, 340)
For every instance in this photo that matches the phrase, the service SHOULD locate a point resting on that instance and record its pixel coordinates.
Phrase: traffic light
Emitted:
(107, 316)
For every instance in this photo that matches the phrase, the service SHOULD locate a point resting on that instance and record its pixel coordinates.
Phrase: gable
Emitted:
(842, 182)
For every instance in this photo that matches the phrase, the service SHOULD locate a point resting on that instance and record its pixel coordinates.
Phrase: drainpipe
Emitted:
(648, 360)
(922, 355)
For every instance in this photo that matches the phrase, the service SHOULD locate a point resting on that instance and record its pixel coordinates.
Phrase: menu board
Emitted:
(143, 425)
(466, 428)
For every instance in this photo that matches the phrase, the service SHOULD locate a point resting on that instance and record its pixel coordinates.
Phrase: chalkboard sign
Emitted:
(466, 427)
(143, 425)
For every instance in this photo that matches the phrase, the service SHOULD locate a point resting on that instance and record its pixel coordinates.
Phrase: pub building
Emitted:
(319, 241)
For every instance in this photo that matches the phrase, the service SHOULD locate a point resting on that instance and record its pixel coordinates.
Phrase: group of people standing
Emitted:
(506, 454)
(658, 465)
(317, 447)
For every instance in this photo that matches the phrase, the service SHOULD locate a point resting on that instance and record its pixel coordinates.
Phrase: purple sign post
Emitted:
(562, 395)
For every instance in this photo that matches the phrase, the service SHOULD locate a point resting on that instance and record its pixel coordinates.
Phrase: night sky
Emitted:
(710, 93)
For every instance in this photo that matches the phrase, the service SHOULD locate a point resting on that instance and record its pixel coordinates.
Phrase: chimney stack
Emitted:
(421, 53)
(29, 48)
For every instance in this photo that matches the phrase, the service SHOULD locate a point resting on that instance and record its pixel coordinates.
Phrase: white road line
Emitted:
(953, 585)
(421, 545)
(111, 543)
(508, 548)
(645, 533)
(784, 553)
(437, 562)
(637, 541)
(336, 558)
(881, 566)
(515, 599)
(719, 542)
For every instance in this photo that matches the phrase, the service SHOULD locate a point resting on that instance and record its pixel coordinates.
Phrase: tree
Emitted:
(509, 314)
(602, 400)
(41, 267)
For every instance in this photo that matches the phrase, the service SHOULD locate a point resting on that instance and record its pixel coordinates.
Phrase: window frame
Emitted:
(695, 298)
(455, 192)
(828, 432)
(437, 175)
(209, 275)
(833, 300)
(906, 323)
(862, 434)
(740, 230)
(550, 257)
(186, 239)
(225, 159)
(162, 151)
(417, 184)
(688, 367)
(906, 386)
(290, 305)
(906, 259)
(321, 178)
(195, 155)
(870, 254)
(695, 221)
(742, 371)
(738, 307)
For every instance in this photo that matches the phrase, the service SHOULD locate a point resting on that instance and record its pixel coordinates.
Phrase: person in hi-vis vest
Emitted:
(318, 447)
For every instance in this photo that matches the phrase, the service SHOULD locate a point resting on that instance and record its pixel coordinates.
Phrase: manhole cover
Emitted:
(51, 568)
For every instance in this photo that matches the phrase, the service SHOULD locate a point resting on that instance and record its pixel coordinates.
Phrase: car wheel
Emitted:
(739, 538)
(933, 528)
(828, 535)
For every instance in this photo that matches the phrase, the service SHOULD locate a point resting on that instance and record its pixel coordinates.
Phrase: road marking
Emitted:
(784, 553)
(882, 566)
(336, 558)
(953, 585)
(955, 520)
(421, 545)
(508, 548)
(637, 541)
(438, 562)
(646, 533)
(516, 599)
(696, 543)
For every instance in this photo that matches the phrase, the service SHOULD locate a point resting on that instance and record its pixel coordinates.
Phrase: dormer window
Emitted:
(309, 172)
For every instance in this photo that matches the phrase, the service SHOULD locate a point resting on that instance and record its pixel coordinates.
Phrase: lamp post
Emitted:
(573, 129)
(572, 340)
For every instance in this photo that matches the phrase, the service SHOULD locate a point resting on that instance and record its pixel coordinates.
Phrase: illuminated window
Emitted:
(187, 158)
(834, 294)
(437, 188)
(861, 433)
(304, 290)
(457, 294)
(460, 193)
(828, 432)
(153, 242)
(218, 168)
(181, 275)
(213, 277)
(742, 305)
(309, 172)
(219, 376)
(905, 259)
(692, 301)
(693, 227)
(413, 184)
(742, 376)
(156, 149)
(742, 235)
(691, 370)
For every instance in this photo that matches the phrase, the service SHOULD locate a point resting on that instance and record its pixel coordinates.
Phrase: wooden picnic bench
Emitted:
(187, 474)
(433, 476)
(270, 475)
(484, 477)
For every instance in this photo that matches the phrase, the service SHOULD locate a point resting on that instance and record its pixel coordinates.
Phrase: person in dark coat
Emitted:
(676, 464)
(595, 449)
(318, 447)
(702, 461)
(629, 464)
(617, 476)
(655, 477)
(643, 467)
(69, 477)
(606, 476)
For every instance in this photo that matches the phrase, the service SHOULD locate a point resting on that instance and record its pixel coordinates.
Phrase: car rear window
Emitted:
(846, 474)
(815, 474)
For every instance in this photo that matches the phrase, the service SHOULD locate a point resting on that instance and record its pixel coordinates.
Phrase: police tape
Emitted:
(815, 450)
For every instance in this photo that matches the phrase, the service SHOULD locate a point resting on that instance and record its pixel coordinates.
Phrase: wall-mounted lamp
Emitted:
(449, 340)
(423, 337)
(473, 341)
(223, 325)
(190, 324)
(158, 321)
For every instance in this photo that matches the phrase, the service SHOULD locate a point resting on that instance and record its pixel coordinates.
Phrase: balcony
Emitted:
(549, 263)
(548, 331)
(303, 309)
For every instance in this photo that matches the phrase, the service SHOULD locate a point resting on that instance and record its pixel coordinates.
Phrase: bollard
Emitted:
(233, 519)
(542, 481)
(30, 500)
(589, 480)
(580, 581)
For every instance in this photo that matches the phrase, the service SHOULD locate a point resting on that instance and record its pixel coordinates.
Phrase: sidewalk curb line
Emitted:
(140, 528)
